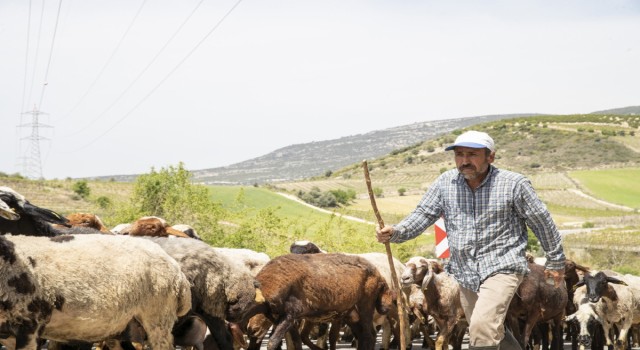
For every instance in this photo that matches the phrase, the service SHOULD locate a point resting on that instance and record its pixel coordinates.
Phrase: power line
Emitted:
(26, 61)
(163, 79)
(135, 80)
(104, 67)
(35, 60)
(53, 40)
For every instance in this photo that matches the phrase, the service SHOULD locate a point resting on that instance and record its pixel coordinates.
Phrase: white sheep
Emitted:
(222, 289)
(609, 301)
(254, 261)
(88, 288)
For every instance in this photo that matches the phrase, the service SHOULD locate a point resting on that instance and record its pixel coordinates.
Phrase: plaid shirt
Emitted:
(486, 229)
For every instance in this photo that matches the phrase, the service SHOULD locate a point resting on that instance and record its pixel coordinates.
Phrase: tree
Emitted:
(402, 191)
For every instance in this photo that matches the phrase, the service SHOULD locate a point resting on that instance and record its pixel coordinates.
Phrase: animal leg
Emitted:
(281, 328)
(219, 331)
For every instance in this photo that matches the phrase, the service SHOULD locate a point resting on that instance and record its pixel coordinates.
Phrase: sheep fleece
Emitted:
(88, 287)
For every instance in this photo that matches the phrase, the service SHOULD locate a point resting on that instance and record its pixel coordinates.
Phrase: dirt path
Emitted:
(352, 218)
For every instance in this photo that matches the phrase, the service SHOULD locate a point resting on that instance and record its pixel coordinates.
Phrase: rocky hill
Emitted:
(306, 160)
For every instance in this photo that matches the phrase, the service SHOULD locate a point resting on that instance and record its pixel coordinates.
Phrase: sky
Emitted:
(124, 86)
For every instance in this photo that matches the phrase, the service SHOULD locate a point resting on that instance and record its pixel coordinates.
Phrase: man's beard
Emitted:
(472, 175)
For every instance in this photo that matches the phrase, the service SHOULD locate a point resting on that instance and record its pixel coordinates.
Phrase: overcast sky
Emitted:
(131, 84)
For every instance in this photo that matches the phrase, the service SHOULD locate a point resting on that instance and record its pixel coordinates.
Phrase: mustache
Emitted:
(467, 167)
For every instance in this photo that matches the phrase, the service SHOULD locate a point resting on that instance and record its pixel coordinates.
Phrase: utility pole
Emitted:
(32, 165)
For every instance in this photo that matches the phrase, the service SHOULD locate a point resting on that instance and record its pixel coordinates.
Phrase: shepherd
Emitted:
(486, 211)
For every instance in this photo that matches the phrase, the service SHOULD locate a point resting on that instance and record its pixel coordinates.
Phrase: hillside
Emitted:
(305, 160)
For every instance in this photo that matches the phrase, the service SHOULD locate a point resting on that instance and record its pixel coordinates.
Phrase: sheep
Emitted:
(87, 220)
(222, 289)
(442, 294)
(381, 262)
(21, 217)
(188, 230)
(152, 226)
(88, 288)
(320, 287)
(305, 247)
(254, 261)
(609, 301)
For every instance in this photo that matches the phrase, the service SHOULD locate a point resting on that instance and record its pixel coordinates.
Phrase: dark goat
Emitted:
(536, 301)
(21, 217)
(319, 287)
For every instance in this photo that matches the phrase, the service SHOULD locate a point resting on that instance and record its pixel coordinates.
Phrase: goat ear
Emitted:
(579, 284)
(616, 281)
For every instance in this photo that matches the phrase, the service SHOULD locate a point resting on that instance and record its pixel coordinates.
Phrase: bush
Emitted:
(81, 188)
(103, 202)
(169, 194)
(377, 192)
(402, 191)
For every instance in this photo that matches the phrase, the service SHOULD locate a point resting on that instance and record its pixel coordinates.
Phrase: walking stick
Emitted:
(395, 283)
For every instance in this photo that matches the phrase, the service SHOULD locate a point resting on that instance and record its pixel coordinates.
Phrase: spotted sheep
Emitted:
(87, 288)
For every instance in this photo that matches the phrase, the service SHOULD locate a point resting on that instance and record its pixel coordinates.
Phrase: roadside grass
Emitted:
(615, 249)
(619, 186)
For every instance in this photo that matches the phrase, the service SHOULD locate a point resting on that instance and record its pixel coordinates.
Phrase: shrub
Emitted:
(81, 188)
(588, 224)
(402, 191)
(103, 202)
(377, 191)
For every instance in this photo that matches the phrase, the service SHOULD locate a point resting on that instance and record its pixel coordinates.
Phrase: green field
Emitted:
(619, 186)
(294, 221)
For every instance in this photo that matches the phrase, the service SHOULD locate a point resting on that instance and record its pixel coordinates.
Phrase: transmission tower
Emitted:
(32, 164)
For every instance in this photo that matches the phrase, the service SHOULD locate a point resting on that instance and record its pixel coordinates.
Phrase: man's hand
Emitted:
(554, 277)
(384, 234)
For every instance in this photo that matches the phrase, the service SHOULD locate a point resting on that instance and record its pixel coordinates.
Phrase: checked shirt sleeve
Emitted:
(538, 218)
(426, 213)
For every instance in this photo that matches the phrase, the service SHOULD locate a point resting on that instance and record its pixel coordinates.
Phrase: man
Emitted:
(486, 211)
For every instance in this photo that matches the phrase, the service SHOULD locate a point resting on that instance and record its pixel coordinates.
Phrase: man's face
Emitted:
(472, 162)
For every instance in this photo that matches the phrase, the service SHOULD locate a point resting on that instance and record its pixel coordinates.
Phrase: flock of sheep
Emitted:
(73, 283)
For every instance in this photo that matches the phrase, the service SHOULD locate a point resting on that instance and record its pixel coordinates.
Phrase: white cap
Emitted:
(473, 139)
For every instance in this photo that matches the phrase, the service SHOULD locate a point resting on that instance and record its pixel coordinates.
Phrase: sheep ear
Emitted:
(579, 284)
(616, 281)
(436, 267)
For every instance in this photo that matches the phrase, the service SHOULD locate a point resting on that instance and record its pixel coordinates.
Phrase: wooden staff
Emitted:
(396, 284)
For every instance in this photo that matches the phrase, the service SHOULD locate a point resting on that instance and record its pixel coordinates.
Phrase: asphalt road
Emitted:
(416, 345)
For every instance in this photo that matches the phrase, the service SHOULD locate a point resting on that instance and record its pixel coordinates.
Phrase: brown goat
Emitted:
(319, 287)
(536, 301)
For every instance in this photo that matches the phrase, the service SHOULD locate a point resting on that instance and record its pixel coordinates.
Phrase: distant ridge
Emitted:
(631, 110)
(306, 160)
